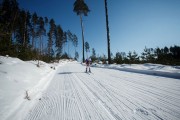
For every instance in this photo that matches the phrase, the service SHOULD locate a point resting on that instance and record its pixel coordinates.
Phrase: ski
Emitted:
(88, 72)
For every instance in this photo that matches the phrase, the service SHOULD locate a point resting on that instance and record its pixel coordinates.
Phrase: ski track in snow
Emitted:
(107, 94)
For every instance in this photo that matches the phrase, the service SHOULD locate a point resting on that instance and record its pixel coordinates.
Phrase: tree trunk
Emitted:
(42, 46)
(68, 49)
(32, 41)
(82, 35)
(108, 38)
(25, 28)
(12, 28)
(75, 52)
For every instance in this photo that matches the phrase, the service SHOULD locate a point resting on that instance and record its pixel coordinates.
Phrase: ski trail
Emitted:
(57, 102)
(132, 98)
(94, 100)
(67, 98)
(107, 95)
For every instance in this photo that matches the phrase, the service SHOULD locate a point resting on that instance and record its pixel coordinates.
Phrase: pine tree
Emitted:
(41, 32)
(133, 57)
(59, 41)
(87, 48)
(148, 55)
(51, 36)
(118, 58)
(76, 55)
(34, 21)
(93, 56)
(22, 35)
(64, 41)
(8, 17)
(75, 42)
(69, 39)
(81, 8)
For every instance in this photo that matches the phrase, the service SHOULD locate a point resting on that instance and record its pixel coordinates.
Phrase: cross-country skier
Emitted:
(88, 63)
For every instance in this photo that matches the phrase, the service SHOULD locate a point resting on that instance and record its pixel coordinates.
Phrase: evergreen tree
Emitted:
(24, 26)
(41, 32)
(64, 40)
(69, 39)
(118, 58)
(76, 55)
(72, 38)
(148, 55)
(81, 8)
(175, 51)
(34, 21)
(133, 57)
(51, 36)
(75, 40)
(8, 17)
(46, 20)
(59, 41)
(87, 48)
(166, 50)
(23, 35)
(123, 55)
(75, 43)
(158, 55)
(93, 56)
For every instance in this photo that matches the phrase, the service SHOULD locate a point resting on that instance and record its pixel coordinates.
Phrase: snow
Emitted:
(110, 92)
(148, 68)
(17, 77)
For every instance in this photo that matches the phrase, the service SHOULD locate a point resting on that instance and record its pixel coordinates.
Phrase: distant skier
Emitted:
(88, 63)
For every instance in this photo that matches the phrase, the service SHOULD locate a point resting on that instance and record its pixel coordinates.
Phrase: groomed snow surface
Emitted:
(121, 92)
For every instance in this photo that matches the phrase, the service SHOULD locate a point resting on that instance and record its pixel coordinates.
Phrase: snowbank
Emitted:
(148, 68)
(20, 80)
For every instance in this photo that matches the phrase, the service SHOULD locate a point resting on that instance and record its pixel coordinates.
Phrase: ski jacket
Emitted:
(88, 62)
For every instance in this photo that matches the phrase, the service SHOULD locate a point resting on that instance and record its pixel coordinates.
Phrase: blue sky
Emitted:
(133, 24)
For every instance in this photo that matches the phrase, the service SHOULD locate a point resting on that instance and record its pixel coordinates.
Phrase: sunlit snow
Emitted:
(110, 92)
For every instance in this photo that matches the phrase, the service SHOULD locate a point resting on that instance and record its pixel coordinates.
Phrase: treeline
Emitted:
(29, 36)
(167, 56)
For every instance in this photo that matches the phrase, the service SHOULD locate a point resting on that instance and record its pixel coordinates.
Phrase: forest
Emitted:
(166, 56)
(28, 36)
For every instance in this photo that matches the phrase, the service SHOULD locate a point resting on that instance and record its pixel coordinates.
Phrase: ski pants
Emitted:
(88, 67)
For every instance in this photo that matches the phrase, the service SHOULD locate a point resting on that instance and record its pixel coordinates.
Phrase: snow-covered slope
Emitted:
(69, 93)
(18, 78)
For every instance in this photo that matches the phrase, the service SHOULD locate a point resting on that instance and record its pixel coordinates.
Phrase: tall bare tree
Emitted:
(108, 37)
